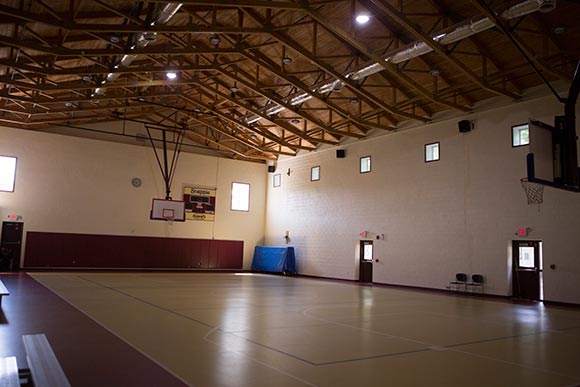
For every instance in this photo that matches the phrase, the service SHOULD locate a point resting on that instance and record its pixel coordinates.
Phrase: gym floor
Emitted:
(222, 329)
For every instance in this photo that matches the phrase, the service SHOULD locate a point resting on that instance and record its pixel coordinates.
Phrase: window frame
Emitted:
(311, 173)
(438, 152)
(232, 196)
(360, 164)
(512, 135)
(14, 173)
(277, 178)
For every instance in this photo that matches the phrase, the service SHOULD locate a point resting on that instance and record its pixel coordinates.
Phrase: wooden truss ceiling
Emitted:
(259, 79)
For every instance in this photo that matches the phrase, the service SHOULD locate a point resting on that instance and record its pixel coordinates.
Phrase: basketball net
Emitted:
(534, 192)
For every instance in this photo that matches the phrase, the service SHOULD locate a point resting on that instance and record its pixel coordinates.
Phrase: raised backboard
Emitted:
(545, 160)
(173, 210)
(541, 146)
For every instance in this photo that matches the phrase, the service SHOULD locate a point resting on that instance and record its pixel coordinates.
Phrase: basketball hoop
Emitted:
(534, 191)
(169, 219)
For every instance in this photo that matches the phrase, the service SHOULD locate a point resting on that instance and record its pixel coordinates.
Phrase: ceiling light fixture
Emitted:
(295, 121)
(234, 88)
(362, 19)
(115, 39)
(559, 30)
(435, 72)
(215, 40)
(286, 60)
(353, 101)
(171, 75)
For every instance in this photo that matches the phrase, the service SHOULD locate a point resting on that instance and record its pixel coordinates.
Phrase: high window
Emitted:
(432, 152)
(240, 197)
(315, 173)
(520, 135)
(365, 164)
(7, 173)
(277, 180)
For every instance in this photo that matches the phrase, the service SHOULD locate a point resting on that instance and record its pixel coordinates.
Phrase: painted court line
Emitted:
(119, 337)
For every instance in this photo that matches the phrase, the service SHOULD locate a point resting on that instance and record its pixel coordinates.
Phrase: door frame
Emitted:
(538, 267)
(365, 266)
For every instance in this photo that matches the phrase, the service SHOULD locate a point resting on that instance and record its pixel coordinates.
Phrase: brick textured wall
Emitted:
(458, 214)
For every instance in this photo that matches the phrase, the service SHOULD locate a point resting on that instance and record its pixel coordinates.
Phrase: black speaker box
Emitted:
(271, 168)
(340, 153)
(465, 126)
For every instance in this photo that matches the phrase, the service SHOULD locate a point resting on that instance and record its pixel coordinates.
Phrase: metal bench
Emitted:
(43, 364)
(3, 292)
(9, 372)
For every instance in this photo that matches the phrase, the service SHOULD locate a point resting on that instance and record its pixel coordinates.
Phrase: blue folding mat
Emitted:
(274, 259)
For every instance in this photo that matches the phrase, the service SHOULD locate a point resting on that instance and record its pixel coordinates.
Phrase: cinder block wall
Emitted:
(458, 214)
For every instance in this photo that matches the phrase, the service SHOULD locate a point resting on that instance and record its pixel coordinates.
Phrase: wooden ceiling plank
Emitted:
(388, 24)
(409, 26)
(242, 124)
(343, 36)
(517, 42)
(222, 144)
(131, 18)
(263, 61)
(476, 41)
(225, 133)
(275, 121)
(353, 87)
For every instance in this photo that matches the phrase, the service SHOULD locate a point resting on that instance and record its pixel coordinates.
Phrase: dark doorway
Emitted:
(527, 269)
(366, 261)
(10, 246)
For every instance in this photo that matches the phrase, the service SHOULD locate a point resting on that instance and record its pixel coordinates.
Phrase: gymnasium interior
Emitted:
(324, 193)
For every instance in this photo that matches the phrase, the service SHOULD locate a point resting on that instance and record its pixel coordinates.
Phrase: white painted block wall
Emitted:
(79, 185)
(458, 214)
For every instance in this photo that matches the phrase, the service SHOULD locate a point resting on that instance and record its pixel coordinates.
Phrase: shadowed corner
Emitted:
(3, 319)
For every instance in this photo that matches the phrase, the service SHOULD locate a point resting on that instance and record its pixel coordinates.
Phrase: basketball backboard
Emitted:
(172, 210)
(546, 158)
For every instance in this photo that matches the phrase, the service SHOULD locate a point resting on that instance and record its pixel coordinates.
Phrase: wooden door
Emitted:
(366, 261)
(526, 270)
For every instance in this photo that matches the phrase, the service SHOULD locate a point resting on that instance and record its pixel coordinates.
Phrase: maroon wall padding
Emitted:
(46, 249)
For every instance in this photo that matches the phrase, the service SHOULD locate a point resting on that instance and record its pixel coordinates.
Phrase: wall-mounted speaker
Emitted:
(271, 168)
(465, 126)
(340, 153)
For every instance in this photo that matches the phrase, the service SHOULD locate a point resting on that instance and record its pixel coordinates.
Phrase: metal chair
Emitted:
(460, 279)
(477, 281)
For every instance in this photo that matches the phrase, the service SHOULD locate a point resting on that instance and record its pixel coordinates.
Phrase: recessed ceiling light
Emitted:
(558, 30)
(215, 40)
(171, 75)
(362, 19)
(295, 121)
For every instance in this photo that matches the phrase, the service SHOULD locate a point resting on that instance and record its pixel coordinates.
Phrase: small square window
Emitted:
(432, 152)
(365, 164)
(520, 135)
(315, 173)
(277, 180)
(240, 197)
(7, 173)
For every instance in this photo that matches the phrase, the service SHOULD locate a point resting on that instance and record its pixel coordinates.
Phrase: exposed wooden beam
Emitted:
(344, 36)
(409, 26)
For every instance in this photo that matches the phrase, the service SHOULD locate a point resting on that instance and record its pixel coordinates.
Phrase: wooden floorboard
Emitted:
(89, 354)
